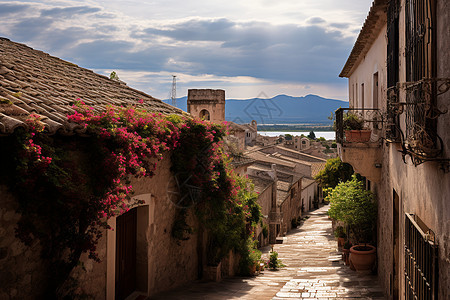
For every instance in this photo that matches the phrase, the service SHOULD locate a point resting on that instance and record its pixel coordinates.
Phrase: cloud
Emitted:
(197, 30)
(340, 25)
(315, 20)
(30, 28)
(309, 52)
(69, 11)
(9, 8)
(256, 49)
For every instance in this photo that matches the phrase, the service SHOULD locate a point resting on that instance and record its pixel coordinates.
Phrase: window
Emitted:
(421, 137)
(204, 115)
(420, 39)
(421, 259)
(393, 12)
(375, 91)
(393, 43)
(362, 95)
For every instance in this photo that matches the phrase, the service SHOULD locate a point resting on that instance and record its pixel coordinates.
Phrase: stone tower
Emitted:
(207, 104)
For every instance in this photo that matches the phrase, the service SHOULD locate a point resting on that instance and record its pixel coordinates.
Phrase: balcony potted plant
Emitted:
(353, 205)
(354, 129)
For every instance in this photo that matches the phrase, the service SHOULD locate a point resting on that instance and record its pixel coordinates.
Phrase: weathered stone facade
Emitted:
(162, 263)
(403, 188)
(207, 104)
(21, 270)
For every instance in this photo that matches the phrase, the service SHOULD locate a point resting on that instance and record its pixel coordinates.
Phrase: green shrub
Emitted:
(340, 232)
(353, 205)
(265, 231)
(274, 263)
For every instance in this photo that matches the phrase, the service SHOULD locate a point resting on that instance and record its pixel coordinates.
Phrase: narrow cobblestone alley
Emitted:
(313, 271)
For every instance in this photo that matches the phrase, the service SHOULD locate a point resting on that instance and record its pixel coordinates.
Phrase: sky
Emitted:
(247, 48)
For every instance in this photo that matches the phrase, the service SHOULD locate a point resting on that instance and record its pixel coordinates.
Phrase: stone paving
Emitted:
(313, 271)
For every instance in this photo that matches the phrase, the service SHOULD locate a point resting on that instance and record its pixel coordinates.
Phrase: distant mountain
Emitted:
(281, 109)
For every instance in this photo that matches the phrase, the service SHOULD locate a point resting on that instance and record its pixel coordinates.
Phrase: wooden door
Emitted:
(126, 225)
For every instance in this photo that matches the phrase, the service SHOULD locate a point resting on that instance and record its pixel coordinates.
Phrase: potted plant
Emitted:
(354, 128)
(346, 252)
(353, 205)
(254, 260)
(274, 263)
(339, 233)
(212, 270)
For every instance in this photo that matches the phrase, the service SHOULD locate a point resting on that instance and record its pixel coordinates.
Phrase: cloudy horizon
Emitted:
(248, 48)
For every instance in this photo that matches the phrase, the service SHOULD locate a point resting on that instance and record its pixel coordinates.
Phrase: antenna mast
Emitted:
(174, 90)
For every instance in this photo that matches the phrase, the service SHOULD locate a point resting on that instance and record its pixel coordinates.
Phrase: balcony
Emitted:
(359, 135)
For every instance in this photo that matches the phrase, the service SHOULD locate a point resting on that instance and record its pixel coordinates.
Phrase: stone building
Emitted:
(307, 165)
(398, 74)
(265, 186)
(301, 143)
(251, 132)
(286, 192)
(207, 104)
(34, 82)
(237, 137)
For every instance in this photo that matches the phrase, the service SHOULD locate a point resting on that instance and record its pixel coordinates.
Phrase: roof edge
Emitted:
(360, 46)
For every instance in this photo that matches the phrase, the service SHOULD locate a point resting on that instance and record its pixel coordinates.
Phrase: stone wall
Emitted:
(290, 209)
(207, 99)
(423, 190)
(308, 193)
(265, 201)
(22, 272)
(165, 265)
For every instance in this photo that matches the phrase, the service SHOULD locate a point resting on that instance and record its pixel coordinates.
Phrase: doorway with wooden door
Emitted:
(396, 245)
(126, 231)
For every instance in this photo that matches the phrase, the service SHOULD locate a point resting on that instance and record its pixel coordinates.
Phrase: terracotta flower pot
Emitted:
(341, 242)
(346, 256)
(363, 257)
(252, 269)
(358, 136)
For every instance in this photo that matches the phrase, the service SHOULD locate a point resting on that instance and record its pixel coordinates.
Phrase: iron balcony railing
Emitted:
(412, 118)
(421, 260)
(370, 120)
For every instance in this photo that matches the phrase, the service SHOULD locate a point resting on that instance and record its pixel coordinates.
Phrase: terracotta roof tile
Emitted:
(32, 81)
(316, 168)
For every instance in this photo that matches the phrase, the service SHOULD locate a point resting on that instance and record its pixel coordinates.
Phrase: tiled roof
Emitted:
(368, 33)
(32, 81)
(261, 184)
(298, 155)
(259, 156)
(235, 126)
(241, 160)
(248, 127)
(316, 168)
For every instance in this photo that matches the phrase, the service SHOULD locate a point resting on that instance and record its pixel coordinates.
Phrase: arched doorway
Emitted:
(204, 115)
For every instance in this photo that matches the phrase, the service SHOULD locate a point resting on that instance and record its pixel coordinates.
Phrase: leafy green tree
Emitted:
(321, 139)
(288, 137)
(355, 206)
(335, 171)
(333, 145)
(312, 135)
